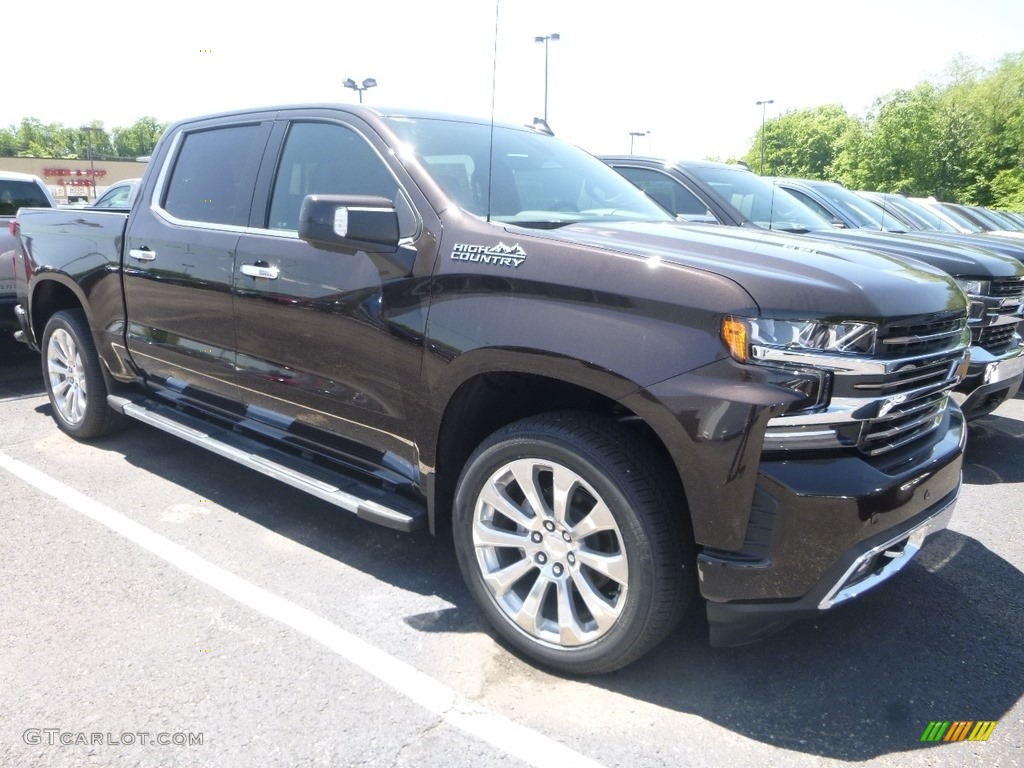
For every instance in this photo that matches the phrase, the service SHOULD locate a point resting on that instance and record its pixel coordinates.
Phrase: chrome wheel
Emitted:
(67, 377)
(74, 377)
(550, 552)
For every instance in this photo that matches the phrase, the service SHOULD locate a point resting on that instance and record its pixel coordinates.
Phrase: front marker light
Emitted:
(734, 334)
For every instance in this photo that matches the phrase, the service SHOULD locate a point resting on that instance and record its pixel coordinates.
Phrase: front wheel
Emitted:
(567, 533)
(74, 381)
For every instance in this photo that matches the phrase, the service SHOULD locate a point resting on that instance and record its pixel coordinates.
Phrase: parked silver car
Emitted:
(17, 190)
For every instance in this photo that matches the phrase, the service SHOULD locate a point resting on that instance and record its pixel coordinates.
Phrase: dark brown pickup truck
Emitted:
(436, 322)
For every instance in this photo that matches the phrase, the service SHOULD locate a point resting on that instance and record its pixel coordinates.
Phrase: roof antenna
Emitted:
(494, 89)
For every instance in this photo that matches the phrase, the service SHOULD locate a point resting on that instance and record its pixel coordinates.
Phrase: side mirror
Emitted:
(349, 223)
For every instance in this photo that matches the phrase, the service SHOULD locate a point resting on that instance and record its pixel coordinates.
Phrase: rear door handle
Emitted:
(142, 254)
(260, 270)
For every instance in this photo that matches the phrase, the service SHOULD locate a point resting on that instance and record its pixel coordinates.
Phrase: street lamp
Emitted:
(764, 106)
(89, 130)
(544, 39)
(359, 88)
(633, 135)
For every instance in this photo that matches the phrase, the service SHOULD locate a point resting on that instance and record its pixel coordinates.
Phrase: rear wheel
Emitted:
(567, 534)
(74, 382)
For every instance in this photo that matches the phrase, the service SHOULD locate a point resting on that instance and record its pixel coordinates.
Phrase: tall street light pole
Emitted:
(89, 130)
(764, 106)
(632, 137)
(545, 39)
(360, 87)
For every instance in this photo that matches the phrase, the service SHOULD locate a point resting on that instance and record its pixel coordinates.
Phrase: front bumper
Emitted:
(823, 531)
(991, 380)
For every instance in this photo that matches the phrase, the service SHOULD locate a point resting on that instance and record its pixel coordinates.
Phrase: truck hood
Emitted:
(958, 260)
(786, 275)
(1004, 246)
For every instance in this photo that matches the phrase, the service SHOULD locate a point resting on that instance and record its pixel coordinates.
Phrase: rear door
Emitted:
(180, 259)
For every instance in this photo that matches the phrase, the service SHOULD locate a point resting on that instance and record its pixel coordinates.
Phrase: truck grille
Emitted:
(881, 404)
(1008, 287)
(911, 402)
(996, 338)
(920, 337)
(1010, 292)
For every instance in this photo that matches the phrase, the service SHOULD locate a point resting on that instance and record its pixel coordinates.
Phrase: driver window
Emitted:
(330, 159)
(668, 192)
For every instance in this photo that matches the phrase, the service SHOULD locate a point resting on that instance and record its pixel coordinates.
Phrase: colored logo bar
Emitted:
(958, 730)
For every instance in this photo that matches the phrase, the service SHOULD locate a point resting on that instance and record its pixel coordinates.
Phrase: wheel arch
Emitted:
(486, 399)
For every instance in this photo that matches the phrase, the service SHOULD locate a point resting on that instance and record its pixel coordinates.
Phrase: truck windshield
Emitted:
(921, 215)
(863, 214)
(760, 201)
(530, 179)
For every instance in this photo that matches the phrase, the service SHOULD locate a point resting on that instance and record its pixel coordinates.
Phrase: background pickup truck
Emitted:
(436, 322)
(17, 190)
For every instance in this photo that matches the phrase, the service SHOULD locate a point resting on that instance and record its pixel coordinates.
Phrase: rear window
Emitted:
(20, 194)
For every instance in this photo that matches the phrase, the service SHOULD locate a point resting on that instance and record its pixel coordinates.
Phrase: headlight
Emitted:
(975, 287)
(744, 335)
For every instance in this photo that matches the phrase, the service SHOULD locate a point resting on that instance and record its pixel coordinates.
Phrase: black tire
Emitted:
(568, 597)
(74, 381)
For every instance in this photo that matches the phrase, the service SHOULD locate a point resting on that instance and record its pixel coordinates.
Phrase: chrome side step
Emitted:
(373, 504)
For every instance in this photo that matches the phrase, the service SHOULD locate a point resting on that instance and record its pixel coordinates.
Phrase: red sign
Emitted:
(99, 172)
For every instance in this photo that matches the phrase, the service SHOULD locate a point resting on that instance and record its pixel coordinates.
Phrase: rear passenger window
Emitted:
(330, 159)
(214, 175)
(20, 194)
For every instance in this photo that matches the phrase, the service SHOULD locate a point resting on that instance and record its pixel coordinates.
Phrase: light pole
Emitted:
(89, 130)
(360, 87)
(764, 106)
(633, 135)
(544, 39)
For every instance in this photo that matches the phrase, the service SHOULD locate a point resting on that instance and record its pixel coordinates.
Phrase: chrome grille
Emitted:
(912, 399)
(936, 372)
(1005, 287)
(903, 424)
(995, 338)
(920, 336)
(882, 403)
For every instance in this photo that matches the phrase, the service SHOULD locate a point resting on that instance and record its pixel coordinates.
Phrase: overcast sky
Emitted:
(687, 72)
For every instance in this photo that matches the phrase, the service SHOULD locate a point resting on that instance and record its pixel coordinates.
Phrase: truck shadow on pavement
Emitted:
(20, 373)
(993, 451)
(942, 641)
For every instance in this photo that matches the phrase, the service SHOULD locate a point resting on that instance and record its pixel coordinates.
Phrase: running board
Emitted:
(373, 504)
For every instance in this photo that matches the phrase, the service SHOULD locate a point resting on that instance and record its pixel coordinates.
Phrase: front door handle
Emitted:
(261, 269)
(142, 254)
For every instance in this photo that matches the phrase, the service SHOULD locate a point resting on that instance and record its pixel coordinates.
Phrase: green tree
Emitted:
(803, 143)
(904, 142)
(139, 139)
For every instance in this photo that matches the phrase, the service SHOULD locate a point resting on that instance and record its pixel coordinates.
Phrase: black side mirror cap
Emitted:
(349, 223)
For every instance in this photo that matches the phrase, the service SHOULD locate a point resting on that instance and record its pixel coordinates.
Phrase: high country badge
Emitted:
(499, 255)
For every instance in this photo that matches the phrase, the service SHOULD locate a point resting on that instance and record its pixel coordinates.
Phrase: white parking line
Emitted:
(526, 744)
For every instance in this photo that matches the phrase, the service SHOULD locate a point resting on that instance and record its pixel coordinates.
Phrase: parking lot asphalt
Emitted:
(150, 592)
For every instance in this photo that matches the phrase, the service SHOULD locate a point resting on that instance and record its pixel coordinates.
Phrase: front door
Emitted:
(318, 352)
